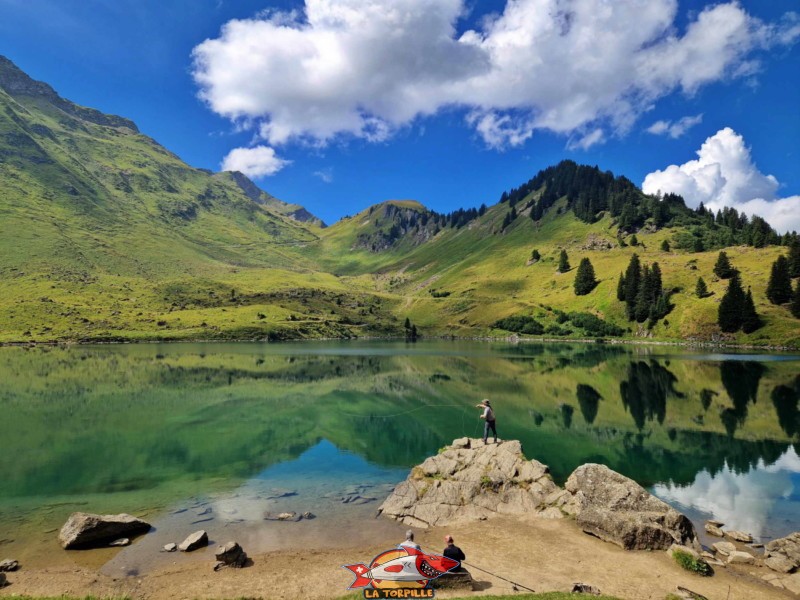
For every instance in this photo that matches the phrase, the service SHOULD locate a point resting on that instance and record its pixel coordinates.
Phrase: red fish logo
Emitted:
(401, 568)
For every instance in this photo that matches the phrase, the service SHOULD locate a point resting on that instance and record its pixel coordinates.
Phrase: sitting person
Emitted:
(454, 552)
(409, 541)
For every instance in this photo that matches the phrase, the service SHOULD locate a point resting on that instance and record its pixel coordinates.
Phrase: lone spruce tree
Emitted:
(563, 262)
(750, 319)
(701, 290)
(723, 268)
(535, 256)
(779, 288)
(585, 281)
(731, 307)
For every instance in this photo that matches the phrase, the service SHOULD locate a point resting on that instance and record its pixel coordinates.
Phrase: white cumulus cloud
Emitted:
(674, 129)
(260, 161)
(365, 68)
(724, 174)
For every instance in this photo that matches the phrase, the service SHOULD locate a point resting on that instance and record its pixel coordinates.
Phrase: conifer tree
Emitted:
(633, 277)
(665, 246)
(794, 258)
(795, 306)
(723, 268)
(621, 288)
(535, 255)
(634, 240)
(701, 290)
(644, 296)
(563, 262)
(585, 281)
(750, 319)
(779, 288)
(731, 307)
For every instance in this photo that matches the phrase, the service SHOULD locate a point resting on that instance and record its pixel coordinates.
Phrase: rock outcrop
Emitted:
(618, 510)
(8, 565)
(85, 530)
(471, 480)
(783, 554)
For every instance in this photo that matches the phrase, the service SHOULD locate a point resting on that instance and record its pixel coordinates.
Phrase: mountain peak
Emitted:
(18, 84)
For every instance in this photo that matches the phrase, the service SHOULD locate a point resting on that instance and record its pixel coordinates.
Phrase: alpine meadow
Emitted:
(108, 236)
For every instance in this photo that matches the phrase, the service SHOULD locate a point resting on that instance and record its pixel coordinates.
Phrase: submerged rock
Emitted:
(618, 510)
(470, 481)
(230, 555)
(121, 542)
(199, 539)
(85, 530)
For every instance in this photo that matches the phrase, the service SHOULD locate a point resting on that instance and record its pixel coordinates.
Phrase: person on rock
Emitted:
(488, 418)
(454, 552)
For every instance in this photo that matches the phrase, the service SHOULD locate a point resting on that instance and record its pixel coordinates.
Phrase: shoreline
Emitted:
(508, 339)
(545, 555)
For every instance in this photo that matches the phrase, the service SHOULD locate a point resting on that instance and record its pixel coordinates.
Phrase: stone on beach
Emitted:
(740, 536)
(199, 539)
(171, 547)
(121, 542)
(8, 565)
(724, 548)
(741, 558)
(714, 530)
(85, 530)
(783, 553)
(3, 580)
(230, 555)
(618, 510)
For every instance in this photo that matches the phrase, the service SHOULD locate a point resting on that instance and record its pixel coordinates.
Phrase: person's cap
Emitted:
(409, 535)
(448, 539)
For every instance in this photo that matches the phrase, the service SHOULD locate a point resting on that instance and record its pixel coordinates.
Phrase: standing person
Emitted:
(453, 551)
(409, 541)
(488, 418)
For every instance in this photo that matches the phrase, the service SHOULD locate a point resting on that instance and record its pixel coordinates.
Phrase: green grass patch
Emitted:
(692, 564)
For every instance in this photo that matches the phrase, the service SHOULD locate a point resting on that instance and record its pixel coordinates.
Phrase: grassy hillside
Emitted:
(106, 235)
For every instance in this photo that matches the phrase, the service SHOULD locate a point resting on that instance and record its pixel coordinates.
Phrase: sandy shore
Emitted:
(540, 554)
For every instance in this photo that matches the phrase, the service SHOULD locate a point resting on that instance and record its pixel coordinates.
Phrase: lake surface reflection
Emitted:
(150, 429)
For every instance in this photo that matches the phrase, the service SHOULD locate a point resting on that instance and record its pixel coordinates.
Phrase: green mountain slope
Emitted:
(106, 235)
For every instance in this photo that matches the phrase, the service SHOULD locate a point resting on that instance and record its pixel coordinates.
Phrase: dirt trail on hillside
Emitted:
(540, 554)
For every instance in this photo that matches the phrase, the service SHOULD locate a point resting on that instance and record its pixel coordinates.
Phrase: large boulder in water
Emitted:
(471, 480)
(617, 509)
(85, 530)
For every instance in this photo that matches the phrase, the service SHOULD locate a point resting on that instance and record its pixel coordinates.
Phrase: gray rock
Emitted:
(462, 443)
(741, 558)
(199, 539)
(687, 594)
(787, 547)
(724, 548)
(204, 511)
(8, 565)
(230, 555)
(712, 529)
(780, 563)
(715, 523)
(618, 510)
(740, 536)
(121, 542)
(3, 580)
(84, 530)
(469, 483)
(171, 547)
(309, 515)
(454, 580)
(585, 588)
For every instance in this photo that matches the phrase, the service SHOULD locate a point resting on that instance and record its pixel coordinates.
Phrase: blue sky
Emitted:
(443, 101)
